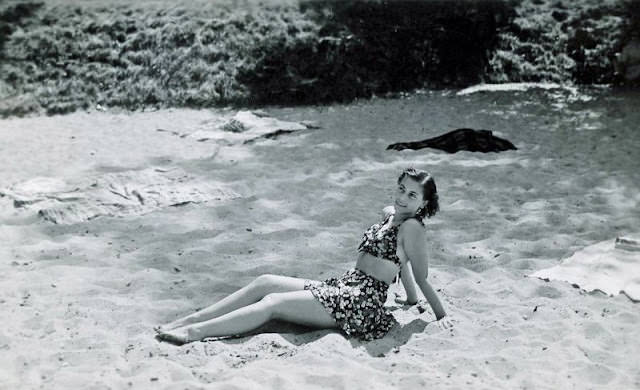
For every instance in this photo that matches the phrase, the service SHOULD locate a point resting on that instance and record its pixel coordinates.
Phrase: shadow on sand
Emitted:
(299, 335)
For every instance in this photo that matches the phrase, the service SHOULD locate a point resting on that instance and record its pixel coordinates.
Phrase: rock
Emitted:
(460, 139)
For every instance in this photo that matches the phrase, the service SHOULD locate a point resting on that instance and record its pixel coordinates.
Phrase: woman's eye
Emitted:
(412, 196)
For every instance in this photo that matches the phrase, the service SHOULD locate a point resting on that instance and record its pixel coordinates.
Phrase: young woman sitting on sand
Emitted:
(354, 302)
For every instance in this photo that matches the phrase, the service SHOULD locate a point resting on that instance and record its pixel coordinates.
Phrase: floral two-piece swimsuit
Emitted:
(356, 299)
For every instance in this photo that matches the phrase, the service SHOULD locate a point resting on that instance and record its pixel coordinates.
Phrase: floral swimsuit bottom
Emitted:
(355, 299)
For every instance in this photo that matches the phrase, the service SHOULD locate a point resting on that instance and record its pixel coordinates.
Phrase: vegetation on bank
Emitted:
(60, 58)
(559, 41)
(66, 58)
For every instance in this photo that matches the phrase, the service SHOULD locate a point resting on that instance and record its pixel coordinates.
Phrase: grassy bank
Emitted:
(57, 56)
(65, 58)
(563, 41)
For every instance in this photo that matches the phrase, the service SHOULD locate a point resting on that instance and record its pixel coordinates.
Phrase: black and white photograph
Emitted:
(319, 194)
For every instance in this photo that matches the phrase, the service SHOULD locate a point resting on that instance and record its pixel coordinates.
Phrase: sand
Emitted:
(79, 299)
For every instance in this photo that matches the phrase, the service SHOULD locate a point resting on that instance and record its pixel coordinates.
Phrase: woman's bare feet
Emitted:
(178, 336)
(179, 323)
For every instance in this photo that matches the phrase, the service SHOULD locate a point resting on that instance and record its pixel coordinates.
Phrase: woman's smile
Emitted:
(408, 196)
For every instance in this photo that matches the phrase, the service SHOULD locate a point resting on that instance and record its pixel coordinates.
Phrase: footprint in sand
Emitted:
(548, 292)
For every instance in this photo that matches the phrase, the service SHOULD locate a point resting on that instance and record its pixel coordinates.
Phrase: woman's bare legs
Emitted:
(299, 307)
(252, 293)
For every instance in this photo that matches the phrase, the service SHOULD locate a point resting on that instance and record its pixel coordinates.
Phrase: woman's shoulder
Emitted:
(412, 233)
(413, 226)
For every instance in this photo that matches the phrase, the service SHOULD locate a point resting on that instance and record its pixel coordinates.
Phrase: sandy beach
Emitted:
(79, 299)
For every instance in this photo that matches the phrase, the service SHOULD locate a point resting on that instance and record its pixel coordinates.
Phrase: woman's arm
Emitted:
(407, 281)
(433, 299)
(415, 246)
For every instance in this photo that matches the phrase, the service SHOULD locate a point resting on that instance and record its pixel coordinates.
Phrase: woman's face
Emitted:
(408, 197)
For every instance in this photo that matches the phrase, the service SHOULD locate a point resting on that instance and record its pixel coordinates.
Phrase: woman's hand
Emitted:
(445, 323)
(405, 301)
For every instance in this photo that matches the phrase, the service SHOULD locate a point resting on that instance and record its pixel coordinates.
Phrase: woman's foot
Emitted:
(178, 336)
(179, 323)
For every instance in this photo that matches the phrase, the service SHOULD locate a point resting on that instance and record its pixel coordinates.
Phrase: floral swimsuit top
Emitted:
(381, 244)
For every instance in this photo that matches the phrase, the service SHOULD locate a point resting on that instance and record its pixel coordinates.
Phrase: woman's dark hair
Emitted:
(429, 190)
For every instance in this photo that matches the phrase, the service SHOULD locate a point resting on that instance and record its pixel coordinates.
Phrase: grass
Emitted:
(560, 41)
(60, 56)
(72, 57)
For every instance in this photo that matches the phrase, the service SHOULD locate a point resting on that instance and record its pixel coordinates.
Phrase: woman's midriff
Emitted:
(379, 268)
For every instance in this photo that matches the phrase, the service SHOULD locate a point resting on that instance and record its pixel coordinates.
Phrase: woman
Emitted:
(354, 302)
